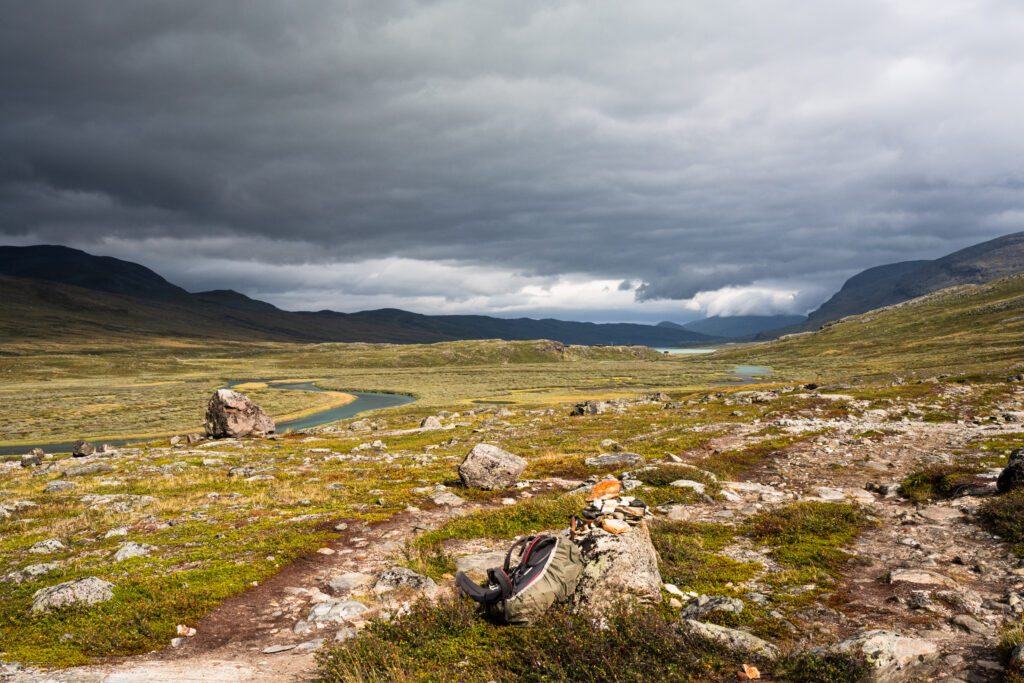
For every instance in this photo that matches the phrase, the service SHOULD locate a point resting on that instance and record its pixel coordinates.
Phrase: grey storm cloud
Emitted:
(685, 146)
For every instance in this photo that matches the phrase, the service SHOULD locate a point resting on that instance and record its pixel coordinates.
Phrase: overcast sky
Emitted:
(640, 160)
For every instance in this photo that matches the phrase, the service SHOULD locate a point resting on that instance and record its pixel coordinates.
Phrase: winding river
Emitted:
(365, 401)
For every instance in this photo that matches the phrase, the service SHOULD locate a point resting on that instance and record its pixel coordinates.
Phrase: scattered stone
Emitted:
(611, 445)
(617, 567)
(921, 576)
(193, 438)
(615, 459)
(274, 649)
(346, 583)
(231, 414)
(940, 513)
(303, 627)
(431, 423)
(90, 468)
(971, 625)
(402, 578)
(731, 638)
(590, 408)
(707, 604)
(1012, 476)
(336, 610)
(82, 448)
(33, 458)
(491, 468)
(132, 549)
(689, 484)
(50, 545)
(447, 498)
(88, 591)
(314, 644)
(892, 657)
(59, 486)
(32, 571)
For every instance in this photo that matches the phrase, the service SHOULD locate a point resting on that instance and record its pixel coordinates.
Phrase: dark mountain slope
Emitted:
(74, 267)
(740, 325)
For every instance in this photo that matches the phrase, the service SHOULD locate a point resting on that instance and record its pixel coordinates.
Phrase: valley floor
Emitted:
(929, 569)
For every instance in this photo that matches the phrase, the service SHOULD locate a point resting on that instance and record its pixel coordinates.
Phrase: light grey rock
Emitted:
(397, 578)
(733, 639)
(491, 468)
(431, 423)
(924, 577)
(50, 545)
(336, 610)
(476, 566)
(87, 469)
(611, 445)
(33, 458)
(346, 583)
(892, 657)
(706, 604)
(59, 486)
(88, 591)
(314, 644)
(590, 408)
(274, 649)
(32, 571)
(230, 414)
(118, 531)
(447, 498)
(688, 484)
(303, 627)
(132, 549)
(82, 448)
(615, 460)
(617, 567)
(971, 625)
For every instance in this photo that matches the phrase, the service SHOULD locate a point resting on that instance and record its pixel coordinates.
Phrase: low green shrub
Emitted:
(807, 667)
(1004, 516)
(809, 534)
(938, 481)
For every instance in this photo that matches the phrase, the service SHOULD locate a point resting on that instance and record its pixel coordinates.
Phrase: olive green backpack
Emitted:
(547, 573)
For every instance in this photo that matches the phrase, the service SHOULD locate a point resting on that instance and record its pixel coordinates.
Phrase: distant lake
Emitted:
(684, 351)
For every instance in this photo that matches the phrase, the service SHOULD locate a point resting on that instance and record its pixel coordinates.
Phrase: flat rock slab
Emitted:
(615, 459)
(274, 649)
(940, 513)
(87, 591)
(476, 566)
(733, 639)
(892, 657)
(336, 610)
(924, 577)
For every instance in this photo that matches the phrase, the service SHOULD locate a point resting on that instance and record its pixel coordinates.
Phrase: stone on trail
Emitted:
(230, 414)
(491, 468)
(1012, 476)
(336, 610)
(615, 459)
(348, 582)
(447, 498)
(733, 639)
(617, 567)
(397, 578)
(921, 576)
(82, 448)
(274, 649)
(892, 657)
(86, 591)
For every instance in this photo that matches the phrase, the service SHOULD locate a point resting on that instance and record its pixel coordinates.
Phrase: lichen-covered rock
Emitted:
(892, 657)
(431, 423)
(90, 468)
(1012, 476)
(617, 567)
(491, 468)
(590, 408)
(707, 604)
(336, 610)
(34, 458)
(87, 591)
(132, 549)
(615, 460)
(50, 545)
(397, 578)
(731, 638)
(82, 448)
(231, 414)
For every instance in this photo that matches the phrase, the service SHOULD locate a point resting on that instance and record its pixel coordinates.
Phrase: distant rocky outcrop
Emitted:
(231, 415)
(491, 468)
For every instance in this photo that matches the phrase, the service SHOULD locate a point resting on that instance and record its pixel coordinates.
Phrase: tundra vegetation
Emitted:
(220, 516)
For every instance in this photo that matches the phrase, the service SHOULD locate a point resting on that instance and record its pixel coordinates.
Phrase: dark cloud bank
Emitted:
(514, 157)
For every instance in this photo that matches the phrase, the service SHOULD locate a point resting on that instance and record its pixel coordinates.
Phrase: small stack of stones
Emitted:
(608, 509)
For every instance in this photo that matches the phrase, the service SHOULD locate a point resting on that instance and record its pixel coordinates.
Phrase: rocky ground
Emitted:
(926, 571)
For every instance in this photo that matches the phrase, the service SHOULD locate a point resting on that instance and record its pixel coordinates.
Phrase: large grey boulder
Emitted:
(731, 638)
(615, 460)
(230, 414)
(34, 458)
(617, 567)
(82, 448)
(590, 408)
(491, 468)
(431, 423)
(892, 657)
(87, 591)
(1012, 476)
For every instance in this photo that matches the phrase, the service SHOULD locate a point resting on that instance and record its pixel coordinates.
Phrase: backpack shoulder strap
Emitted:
(512, 550)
